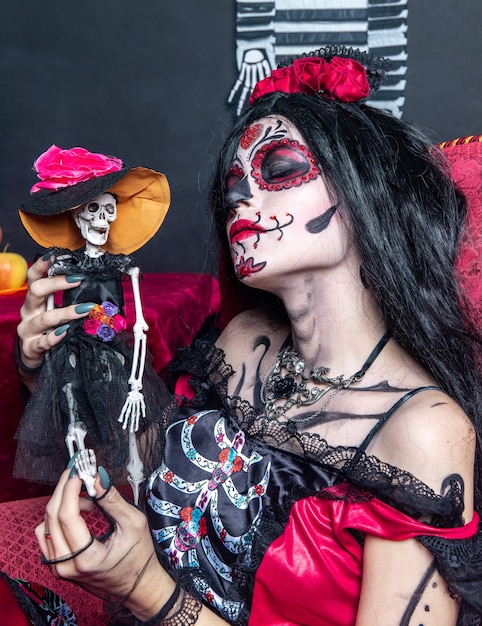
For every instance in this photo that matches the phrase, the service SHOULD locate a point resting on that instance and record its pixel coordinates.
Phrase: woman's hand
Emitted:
(123, 569)
(37, 321)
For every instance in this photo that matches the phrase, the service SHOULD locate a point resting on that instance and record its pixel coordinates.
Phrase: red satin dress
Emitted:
(311, 575)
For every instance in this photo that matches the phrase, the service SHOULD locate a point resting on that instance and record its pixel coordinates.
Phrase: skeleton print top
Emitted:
(228, 484)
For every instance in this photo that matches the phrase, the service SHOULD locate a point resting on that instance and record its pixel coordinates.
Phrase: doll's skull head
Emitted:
(95, 217)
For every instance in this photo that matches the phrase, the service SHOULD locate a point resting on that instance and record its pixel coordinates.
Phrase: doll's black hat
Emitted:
(142, 194)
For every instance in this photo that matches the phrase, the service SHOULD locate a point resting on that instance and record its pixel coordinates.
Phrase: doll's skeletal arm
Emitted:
(134, 406)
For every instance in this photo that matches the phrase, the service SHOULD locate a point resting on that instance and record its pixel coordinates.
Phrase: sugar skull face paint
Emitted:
(250, 135)
(321, 222)
(244, 229)
(272, 215)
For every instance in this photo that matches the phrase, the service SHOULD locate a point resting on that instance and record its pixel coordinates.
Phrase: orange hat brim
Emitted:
(143, 198)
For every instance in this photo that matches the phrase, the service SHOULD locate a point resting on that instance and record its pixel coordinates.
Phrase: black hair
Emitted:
(406, 218)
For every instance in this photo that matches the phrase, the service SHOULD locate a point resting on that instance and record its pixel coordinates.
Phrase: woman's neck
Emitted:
(335, 323)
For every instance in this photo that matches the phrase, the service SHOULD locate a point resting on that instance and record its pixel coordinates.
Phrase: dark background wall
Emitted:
(148, 82)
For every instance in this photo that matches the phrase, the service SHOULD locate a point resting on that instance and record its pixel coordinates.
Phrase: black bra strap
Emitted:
(372, 356)
(384, 419)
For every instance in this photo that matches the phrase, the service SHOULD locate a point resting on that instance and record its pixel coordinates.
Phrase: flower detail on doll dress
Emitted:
(104, 321)
(219, 499)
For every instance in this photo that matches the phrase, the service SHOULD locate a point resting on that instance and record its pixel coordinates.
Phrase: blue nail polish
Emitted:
(47, 256)
(74, 278)
(85, 307)
(72, 459)
(61, 329)
(73, 472)
(104, 477)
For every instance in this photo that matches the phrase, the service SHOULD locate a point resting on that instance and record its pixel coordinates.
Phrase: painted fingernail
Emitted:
(85, 307)
(104, 477)
(47, 256)
(73, 472)
(74, 278)
(61, 329)
(72, 459)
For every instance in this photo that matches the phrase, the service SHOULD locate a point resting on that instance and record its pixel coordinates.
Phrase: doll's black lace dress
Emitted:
(85, 377)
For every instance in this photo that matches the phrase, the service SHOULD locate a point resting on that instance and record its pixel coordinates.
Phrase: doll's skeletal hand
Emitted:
(134, 407)
(86, 466)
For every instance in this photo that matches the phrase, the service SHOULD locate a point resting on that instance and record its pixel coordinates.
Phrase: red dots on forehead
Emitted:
(250, 135)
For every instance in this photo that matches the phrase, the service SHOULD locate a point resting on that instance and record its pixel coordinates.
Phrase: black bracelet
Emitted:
(163, 613)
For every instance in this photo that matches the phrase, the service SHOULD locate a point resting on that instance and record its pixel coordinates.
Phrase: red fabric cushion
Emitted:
(20, 557)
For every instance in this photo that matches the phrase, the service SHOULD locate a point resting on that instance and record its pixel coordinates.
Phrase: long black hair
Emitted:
(406, 218)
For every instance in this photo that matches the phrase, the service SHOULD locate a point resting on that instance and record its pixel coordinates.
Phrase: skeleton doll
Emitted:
(97, 387)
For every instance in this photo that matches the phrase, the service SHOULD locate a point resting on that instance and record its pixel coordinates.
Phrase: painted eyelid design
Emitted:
(283, 164)
(280, 165)
(233, 176)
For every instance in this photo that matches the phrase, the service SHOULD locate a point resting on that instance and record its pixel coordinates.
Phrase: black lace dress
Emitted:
(230, 478)
(86, 376)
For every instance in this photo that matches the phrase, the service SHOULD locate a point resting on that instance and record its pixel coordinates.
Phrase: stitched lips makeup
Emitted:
(243, 229)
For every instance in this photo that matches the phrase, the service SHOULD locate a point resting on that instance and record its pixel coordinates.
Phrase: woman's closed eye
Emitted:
(282, 165)
(279, 168)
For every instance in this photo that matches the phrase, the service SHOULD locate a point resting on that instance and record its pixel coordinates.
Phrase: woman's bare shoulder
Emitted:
(431, 437)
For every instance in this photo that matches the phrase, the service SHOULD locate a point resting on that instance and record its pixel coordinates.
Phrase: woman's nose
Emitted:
(240, 192)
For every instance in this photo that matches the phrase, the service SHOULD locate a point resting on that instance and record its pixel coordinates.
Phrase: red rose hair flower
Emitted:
(342, 79)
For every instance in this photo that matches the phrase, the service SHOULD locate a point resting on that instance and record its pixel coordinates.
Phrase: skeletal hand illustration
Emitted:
(255, 66)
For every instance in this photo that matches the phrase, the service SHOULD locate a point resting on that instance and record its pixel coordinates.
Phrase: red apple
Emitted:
(13, 270)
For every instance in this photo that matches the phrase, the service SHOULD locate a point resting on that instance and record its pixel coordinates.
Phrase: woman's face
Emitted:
(281, 218)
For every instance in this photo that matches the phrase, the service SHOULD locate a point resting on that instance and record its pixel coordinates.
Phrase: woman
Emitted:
(322, 469)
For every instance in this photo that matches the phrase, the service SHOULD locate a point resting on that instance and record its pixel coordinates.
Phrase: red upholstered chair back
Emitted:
(465, 159)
